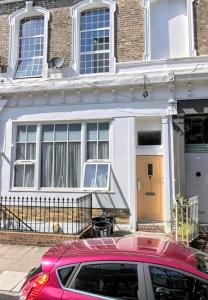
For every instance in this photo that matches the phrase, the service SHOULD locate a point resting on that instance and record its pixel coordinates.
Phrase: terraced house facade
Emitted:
(108, 97)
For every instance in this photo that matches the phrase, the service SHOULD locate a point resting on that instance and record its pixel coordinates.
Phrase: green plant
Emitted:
(180, 217)
(183, 229)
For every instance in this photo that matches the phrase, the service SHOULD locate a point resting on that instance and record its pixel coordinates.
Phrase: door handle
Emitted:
(138, 185)
(163, 290)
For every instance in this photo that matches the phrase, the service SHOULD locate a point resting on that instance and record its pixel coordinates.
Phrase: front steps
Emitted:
(151, 226)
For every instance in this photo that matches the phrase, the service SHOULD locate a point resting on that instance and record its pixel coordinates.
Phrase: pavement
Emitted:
(16, 261)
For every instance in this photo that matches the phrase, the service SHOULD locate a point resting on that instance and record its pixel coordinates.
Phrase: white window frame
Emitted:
(37, 164)
(94, 188)
(14, 23)
(97, 143)
(26, 161)
(76, 11)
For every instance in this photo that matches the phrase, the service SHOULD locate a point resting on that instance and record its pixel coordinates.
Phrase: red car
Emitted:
(128, 268)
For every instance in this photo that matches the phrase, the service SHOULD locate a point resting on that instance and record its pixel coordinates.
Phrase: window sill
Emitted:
(75, 191)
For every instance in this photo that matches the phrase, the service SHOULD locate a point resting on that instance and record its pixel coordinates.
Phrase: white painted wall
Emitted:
(169, 37)
(122, 146)
(198, 162)
(148, 124)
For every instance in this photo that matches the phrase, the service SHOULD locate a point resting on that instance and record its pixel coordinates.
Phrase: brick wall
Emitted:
(33, 239)
(129, 35)
(130, 30)
(201, 26)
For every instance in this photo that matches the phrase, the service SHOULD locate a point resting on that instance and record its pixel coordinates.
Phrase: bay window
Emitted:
(55, 153)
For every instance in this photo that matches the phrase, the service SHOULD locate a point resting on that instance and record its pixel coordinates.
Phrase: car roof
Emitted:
(133, 248)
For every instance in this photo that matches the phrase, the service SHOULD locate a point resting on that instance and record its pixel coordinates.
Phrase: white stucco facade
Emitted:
(117, 98)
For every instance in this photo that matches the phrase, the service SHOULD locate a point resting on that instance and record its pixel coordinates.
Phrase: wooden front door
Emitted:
(150, 188)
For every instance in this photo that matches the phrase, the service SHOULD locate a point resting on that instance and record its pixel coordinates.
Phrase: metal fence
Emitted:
(47, 215)
(185, 222)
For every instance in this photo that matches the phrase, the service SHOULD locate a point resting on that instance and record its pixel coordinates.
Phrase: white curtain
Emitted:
(19, 174)
(46, 164)
(102, 176)
(29, 176)
(60, 165)
(74, 164)
(31, 149)
(103, 150)
(20, 151)
(92, 150)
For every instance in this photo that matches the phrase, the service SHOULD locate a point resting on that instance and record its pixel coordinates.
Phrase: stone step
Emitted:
(150, 226)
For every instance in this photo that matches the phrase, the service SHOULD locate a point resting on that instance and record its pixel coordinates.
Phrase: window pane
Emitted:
(31, 149)
(31, 133)
(21, 133)
(103, 133)
(171, 283)
(149, 138)
(32, 26)
(64, 274)
(29, 68)
(92, 131)
(196, 130)
(47, 133)
(61, 132)
(102, 175)
(92, 150)
(46, 164)
(60, 165)
(74, 132)
(94, 37)
(29, 176)
(20, 151)
(74, 165)
(103, 150)
(31, 41)
(110, 280)
(89, 176)
(18, 175)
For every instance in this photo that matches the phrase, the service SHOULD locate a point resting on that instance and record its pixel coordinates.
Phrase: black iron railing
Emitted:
(48, 215)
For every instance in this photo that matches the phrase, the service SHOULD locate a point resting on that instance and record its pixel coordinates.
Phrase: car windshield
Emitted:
(201, 259)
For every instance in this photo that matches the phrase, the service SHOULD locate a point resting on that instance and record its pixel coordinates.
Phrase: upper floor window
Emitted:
(169, 29)
(28, 42)
(93, 36)
(31, 42)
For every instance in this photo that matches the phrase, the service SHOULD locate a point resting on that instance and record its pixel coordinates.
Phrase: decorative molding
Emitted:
(75, 14)
(189, 89)
(171, 87)
(14, 21)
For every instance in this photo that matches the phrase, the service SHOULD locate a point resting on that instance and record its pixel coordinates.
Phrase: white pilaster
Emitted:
(131, 177)
(168, 169)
